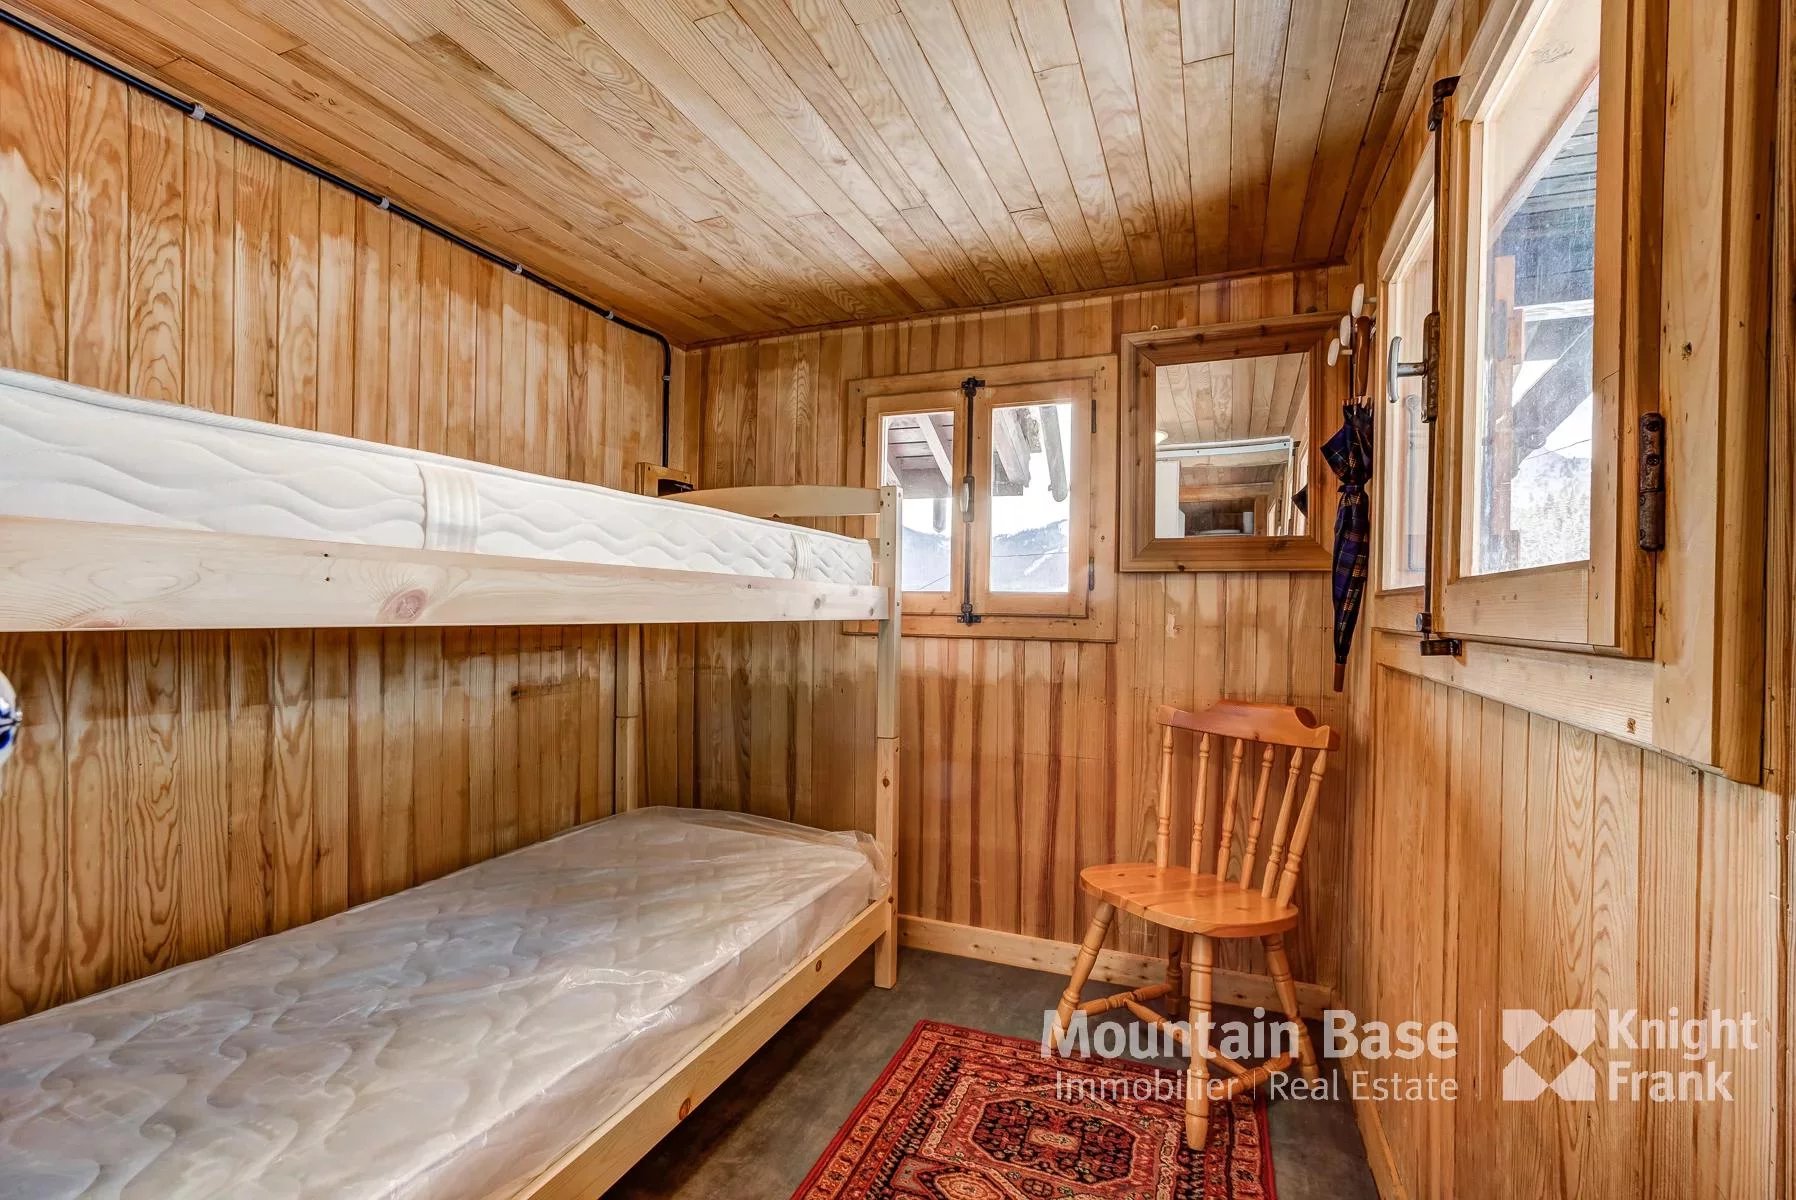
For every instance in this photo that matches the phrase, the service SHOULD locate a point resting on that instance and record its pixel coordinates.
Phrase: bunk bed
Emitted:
(531, 1025)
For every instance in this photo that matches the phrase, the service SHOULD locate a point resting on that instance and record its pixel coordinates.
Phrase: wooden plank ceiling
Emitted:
(718, 167)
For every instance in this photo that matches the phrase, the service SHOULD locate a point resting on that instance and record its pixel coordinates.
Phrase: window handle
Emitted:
(1395, 368)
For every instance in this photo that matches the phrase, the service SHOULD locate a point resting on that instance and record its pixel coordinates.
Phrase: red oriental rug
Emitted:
(964, 1115)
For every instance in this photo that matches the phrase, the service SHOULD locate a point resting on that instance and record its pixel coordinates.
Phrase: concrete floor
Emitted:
(757, 1136)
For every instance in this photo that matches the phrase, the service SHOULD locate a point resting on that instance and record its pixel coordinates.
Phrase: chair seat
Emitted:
(1180, 899)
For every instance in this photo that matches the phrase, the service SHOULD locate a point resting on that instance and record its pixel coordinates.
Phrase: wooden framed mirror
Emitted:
(1222, 428)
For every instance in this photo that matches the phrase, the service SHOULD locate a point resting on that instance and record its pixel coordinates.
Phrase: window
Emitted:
(919, 455)
(1025, 531)
(1544, 362)
(1408, 299)
(1535, 405)
(1001, 516)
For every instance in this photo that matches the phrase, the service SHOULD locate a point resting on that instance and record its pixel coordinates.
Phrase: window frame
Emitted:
(1604, 602)
(1086, 611)
(1075, 601)
(922, 604)
(1413, 227)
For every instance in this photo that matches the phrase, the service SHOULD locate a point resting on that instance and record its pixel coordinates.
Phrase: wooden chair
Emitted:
(1198, 907)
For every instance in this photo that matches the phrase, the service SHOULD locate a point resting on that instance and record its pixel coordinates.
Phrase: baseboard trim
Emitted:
(1238, 988)
(1371, 1132)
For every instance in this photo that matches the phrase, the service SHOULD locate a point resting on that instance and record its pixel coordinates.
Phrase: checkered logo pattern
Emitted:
(1576, 1027)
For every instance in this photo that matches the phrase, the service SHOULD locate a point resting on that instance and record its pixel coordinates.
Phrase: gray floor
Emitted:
(757, 1136)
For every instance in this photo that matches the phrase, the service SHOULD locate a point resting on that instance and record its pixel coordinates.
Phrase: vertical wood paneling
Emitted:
(99, 233)
(34, 834)
(1583, 873)
(175, 793)
(1578, 873)
(34, 131)
(1024, 760)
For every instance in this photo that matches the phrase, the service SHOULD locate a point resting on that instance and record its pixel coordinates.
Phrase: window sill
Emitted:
(1598, 692)
(1095, 628)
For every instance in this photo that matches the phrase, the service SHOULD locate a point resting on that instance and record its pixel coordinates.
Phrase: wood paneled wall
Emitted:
(1504, 860)
(176, 793)
(1023, 760)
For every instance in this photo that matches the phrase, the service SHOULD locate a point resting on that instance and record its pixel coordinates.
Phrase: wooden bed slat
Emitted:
(79, 575)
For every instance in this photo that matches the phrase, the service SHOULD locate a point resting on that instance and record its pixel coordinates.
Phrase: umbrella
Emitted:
(1349, 456)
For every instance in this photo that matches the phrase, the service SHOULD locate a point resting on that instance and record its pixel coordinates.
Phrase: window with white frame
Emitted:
(1408, 299)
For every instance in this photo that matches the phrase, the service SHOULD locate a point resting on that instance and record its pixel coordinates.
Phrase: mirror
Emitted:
(1221, 470)
(1231, 444)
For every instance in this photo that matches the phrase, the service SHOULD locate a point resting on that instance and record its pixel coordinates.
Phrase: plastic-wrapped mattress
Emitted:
(74, 453)
(451, 1040)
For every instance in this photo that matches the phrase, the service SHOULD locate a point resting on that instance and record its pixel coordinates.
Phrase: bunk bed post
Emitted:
(885, 795)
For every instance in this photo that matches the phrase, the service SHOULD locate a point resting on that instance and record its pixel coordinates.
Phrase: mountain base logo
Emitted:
(1624, 1032)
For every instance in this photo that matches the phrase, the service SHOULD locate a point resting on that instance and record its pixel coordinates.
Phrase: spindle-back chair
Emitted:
(1245, 892)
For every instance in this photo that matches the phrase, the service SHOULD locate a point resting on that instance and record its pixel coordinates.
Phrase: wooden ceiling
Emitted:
(719, 167)
(1232, 399)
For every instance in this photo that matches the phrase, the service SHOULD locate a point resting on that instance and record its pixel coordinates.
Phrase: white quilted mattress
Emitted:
(74, 453)
(448, 1041)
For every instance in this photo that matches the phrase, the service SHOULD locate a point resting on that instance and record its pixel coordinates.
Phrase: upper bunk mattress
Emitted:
(451, 1040)
(74, 453)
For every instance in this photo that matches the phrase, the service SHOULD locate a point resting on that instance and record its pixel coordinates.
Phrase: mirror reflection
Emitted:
(1230, 447)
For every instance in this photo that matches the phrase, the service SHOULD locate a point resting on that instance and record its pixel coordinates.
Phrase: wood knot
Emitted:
(406, 606)
(685, 1108)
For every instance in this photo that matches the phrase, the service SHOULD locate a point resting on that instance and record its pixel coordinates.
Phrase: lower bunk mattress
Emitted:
(452, 1040)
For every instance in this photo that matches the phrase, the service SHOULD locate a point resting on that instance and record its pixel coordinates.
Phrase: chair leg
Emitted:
(1202, 955)
(1088, 957)
(1175, 971)
(1280, 967)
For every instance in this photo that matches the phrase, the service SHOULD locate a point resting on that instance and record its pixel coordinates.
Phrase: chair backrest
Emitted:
(1227, 727)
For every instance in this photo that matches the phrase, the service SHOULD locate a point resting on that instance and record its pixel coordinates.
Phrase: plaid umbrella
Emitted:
(1349, 456)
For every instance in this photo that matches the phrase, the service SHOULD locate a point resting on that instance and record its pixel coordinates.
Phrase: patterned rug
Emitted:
(964, 1115)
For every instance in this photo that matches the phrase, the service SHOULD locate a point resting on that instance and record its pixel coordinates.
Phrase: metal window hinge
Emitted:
(1651, 519)
(1437, 106)
(1091, 574)
(1432, 645)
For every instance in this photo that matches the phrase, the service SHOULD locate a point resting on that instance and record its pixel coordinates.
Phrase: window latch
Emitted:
(1434, 644)
(969, 389)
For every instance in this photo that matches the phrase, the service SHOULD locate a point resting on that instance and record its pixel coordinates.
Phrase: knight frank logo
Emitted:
(1576, 1027)
(1680, 1054)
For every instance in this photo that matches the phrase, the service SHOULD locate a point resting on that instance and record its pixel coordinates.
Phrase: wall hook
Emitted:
(11, 720)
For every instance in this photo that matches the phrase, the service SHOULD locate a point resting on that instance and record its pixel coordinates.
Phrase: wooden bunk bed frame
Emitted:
(66, 575)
